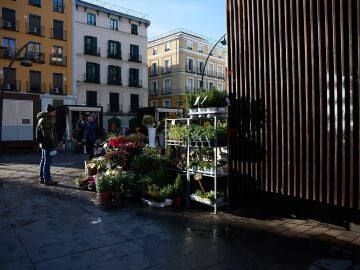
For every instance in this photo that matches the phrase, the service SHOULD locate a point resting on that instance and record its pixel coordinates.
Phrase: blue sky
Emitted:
(205, 17)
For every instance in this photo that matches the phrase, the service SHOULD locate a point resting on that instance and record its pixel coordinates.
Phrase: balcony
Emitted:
(12, 85)
(7, 52)
(113, 55)
(135, 58)
(166, 70)
(92, 51)
(112, 81)
(135, 83)
(154, 72)
(59, 7)
(58, 33)
(58, 90)
(38, 30)
(34, 87)
(190, 69)
(91, 79)
(9, 24)
(166, 91)
(154, 92)
(58, 60)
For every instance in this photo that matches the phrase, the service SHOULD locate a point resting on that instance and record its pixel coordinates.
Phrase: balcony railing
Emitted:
(9, 25)
(110, 54)
(190, 89)
(114, 109)
(166, 70)
(7, 52)
(211, 73)
(199, 70)
(89, 51)
(154, 72)
(135, 83)
(58, 60)
(154, 92)
(220, 75)
(37, 57)
(58, 33)
(112, 81)
(166, 91)
(89, 79)
(59, 7)
(190, 69)
(33, 87)
(58, 90)
(38, 30)
(135, 58)
(12, 85)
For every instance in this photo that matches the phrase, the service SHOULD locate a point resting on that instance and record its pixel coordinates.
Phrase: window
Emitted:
(58, 6)
(167, 86)
(91, 98)
(210, 84)
(200, 49)
(220, 86)
(134, 77)
(201, 67)
(10, 44)
(58, 102)
(114, 75)
(58, 30)
(114, 49)
(134, 53)
(35, 81)
(91, 19)
(166, 103)
(190, 65)
(35, 3)
(167, 66)
(8, 19)
(155, 50)
(154, 88)
(57, 55)
(34, 26)
(190, 84)
(90, 46)
(92, 72)
(11, 79)
(134, 103)
(167, 46)
(211, 69)
(114, 102)
(34, 51)
(220, 72)
(153, 103)
(154, 69)
(189, 44)
(57, 86)
(113, 24)
(134, 29)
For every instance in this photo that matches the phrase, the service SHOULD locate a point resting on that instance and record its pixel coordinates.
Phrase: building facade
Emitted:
(110, 56)
(48, 24)
(176, 61)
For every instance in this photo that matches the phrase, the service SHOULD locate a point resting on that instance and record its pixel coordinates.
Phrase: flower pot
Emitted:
(178, 200)
(152, 136)
(104, 197)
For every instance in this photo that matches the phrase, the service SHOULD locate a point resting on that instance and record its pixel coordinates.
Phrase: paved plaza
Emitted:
(63, 227)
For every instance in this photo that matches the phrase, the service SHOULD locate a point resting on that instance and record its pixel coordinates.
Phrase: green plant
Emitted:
(179, 185)
(148, 120)
(210, 195)
(178, 133)
(147, 161)
(103, 184)
(190, 100)
(167, 191)
(196, 132)
(215, 98)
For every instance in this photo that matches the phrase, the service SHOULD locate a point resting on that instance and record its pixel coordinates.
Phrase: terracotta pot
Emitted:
(104, 197)
(178, 200)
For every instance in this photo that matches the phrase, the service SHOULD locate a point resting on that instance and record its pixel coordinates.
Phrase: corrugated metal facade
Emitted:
(294, 82)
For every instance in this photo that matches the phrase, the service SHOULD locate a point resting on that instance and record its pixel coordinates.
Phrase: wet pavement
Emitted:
(63, 227)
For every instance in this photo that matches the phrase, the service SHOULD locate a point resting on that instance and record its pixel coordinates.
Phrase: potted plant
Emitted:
(215, 99)
(103, 187)
(179, 190)
(194, 165)
(148, 121)
(202, 103)
(190, 104)
(178, 133)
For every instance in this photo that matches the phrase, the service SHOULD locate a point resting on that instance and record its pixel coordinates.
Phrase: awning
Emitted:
(84, 109)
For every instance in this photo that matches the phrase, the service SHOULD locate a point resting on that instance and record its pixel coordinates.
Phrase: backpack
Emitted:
(39, 133)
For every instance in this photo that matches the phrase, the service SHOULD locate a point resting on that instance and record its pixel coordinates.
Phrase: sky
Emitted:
(205, 17)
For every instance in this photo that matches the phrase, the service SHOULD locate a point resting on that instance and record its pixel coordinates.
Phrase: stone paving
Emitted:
(63, 227)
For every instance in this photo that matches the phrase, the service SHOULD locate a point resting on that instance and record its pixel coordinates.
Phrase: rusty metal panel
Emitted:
(294, 83)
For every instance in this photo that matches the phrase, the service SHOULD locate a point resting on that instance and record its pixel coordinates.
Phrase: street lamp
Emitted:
(26, 62)
(222, 40)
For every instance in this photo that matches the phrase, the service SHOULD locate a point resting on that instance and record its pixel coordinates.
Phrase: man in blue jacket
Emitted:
(90, 128)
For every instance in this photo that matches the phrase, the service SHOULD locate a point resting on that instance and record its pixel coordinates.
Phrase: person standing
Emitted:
(90, 128)
(48, 142)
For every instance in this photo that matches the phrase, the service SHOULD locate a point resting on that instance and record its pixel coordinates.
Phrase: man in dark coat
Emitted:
(48, 142)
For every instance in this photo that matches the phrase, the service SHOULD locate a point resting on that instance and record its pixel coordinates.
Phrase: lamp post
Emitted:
(223, 42)
(26, 62)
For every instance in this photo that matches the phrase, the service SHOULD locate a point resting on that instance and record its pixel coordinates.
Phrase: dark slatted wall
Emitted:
(294, 83)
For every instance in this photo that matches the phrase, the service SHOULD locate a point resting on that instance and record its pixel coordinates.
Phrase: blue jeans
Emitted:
(45, 165)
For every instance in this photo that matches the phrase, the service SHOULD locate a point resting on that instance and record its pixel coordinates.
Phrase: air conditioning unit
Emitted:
(6, 24)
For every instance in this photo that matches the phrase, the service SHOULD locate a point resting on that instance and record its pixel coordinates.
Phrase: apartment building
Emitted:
(110, 57)
(175, 64)
(48, 24)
